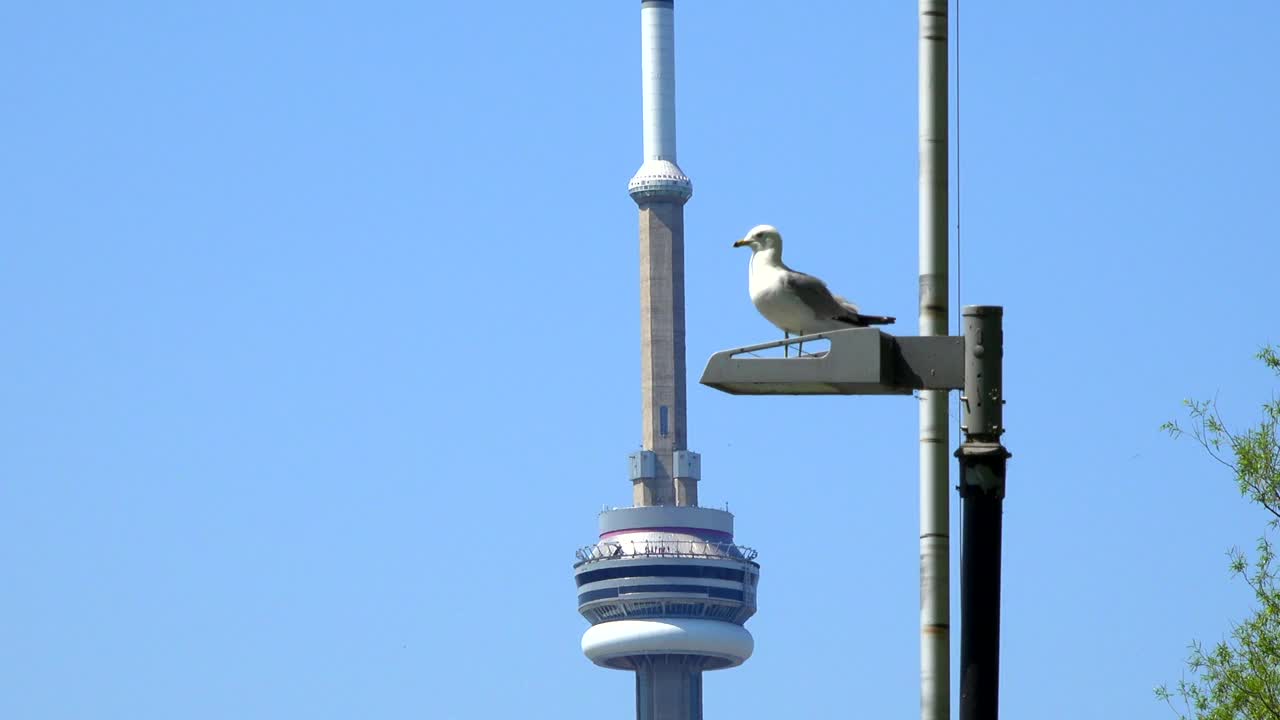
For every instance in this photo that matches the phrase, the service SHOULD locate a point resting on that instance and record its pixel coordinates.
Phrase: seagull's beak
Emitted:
(740, 243)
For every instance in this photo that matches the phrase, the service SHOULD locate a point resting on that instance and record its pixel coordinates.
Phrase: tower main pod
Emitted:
(665, 587)
(667, 591)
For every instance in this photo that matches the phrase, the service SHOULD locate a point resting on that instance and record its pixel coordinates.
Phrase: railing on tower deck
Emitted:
(707, 550)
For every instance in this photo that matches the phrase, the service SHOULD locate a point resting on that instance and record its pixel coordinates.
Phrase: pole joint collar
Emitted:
(982, 469)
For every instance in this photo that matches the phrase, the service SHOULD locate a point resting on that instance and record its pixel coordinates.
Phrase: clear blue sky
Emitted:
(299, 419)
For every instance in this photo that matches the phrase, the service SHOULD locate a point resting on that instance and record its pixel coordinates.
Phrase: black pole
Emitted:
(982, 483)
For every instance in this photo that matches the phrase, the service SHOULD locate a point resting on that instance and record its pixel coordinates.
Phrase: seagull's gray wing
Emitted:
(818, 298)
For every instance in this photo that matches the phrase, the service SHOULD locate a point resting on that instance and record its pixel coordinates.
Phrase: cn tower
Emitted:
(665, 588)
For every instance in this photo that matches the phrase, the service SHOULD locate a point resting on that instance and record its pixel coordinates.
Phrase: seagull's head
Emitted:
(761, 237)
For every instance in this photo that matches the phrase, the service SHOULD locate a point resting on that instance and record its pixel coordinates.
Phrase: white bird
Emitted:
(797, 303)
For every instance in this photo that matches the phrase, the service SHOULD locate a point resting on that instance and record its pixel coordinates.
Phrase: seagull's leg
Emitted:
(786, 349)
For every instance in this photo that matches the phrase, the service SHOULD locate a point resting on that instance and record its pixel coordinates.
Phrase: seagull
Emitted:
(798, 304)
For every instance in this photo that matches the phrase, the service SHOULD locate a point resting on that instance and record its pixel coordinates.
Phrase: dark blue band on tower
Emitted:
(632, 571)
(715, 592)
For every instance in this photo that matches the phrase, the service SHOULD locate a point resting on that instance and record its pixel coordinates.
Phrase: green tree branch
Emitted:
(1239, 679)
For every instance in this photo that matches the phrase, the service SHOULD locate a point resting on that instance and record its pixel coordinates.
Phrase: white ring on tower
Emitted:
(609, 644)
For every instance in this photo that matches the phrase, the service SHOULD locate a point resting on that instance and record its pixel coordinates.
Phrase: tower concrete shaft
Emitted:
(662, 361)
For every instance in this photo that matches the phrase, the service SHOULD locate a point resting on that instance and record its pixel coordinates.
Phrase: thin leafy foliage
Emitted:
(1239, 677)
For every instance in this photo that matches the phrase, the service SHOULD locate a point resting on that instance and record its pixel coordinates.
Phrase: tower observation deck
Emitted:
(665, 587)
(667, 591)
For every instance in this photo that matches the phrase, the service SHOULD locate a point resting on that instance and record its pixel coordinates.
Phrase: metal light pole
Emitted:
(982, 479)
(935, 540)
(866, 361)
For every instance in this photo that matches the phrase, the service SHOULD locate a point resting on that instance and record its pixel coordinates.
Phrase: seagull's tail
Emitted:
(857, 319)
(860, 320)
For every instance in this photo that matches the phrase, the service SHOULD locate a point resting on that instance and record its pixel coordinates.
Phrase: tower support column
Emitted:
(668, 687)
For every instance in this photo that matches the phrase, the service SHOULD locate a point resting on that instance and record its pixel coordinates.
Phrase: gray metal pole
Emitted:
(982, 482)
(935, 544)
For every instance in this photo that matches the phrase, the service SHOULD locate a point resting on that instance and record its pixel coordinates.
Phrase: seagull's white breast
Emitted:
(774, 301)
